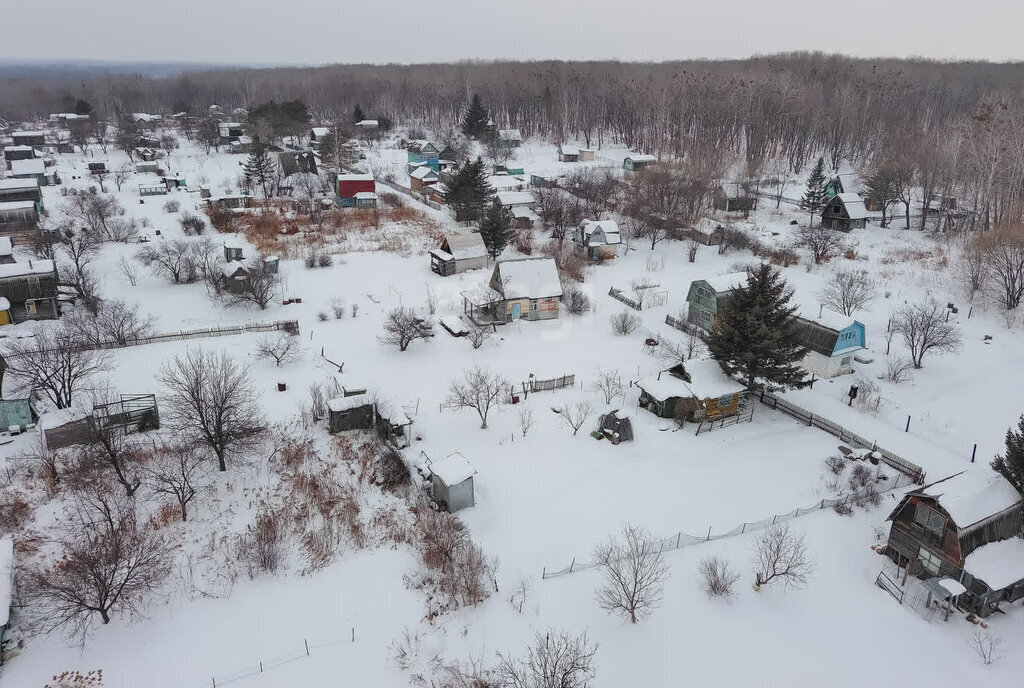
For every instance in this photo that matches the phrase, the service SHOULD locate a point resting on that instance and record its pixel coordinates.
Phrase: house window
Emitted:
(929, 562)
(533, 305)
(930, 519)
(846, 360)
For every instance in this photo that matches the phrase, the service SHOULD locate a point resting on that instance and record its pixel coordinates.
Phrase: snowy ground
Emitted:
(548, 497)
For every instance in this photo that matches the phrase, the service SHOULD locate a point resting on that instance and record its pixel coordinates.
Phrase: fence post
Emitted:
(774, 518)
(353, 634)
(544, 573)
(822, 504)
(572, 564)
(679, 536)
(743, 529)
(261, 667)
(709, 534)
(306, 643)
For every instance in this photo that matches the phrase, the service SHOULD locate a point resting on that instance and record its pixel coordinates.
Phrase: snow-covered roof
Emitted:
(452, 469)
(27, 133)
(999, 564)
(829, 318)
(339, 404)
(6, 247)
(422, 172)
(504, 182)
(609, 227)
(4, 303)
(726, 283)
(321, 131)
(524, 212)
(854, 205)
(17, 149)
(515, 198)
(570, 150)
(14, 184)
(230, 125)
(365, 196)
(367, 123)
(529, 278)
(443, 256)
(32, 267)
(510, 135)
(17, 205)
(230, 269)
(465, 245)
(641, 157)
(31, 166)
(707, 382)
(973, 495)
(707, 379)
(706, 225)
(355, 177)
(6, 579)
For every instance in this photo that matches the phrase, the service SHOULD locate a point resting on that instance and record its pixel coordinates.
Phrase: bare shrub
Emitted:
(843, 508)
(402, 327)
(897, 370)
(576, 302)
(986, 646)
(338, 309)
(624, 323)
(391, 472)
(555, 660)
(261, 547)
(846, 292)
(191, 224)
(868, 496)
(453, 567)
(781, 557)
(860, 476)
(172, 206)
(576, 414)
(177, 471)
(478, 389)
(15, 510)
(869, 396)
(924, 328)
(823, 243)
(280, 348)
(431, 299)
(523, 242)
(317, 401)
(633, 572)
(717, 578)
(835, 464)
(478, 335)
(128, 269)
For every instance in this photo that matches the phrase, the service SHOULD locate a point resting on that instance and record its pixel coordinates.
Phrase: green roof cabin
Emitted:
(707, 296)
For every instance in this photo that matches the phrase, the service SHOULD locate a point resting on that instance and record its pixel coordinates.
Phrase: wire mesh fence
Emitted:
(263, 666)
(682, 539)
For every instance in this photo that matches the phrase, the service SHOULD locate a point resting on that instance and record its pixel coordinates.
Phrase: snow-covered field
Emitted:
(546, 499)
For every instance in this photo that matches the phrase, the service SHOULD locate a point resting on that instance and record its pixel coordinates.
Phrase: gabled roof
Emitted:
(16, 184)
(32, 267)
(6, 246)
(31, 166)
(510, 135)
(528, 278)
(641, 157)
(707, 381)
(515, 198)
(569, 150)
(829, 319)
(726, 283)
(452, 469)
(465, 245)
(355, 177)
(367, 123)
(27, 133)
(321, 131)
(854, 205)
(609, 227)
(706, 225)
(17, 205)
(973, 495)
(999, 564)
(354, 401)
(423, 172)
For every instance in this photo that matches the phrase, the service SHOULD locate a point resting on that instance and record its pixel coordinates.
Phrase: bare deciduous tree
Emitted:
(128, 269)
(478, 335)
(94, 212)
(1004, 263)
(846, 292)
(633, 572)
(525, 420)
(116, 322)
(555, 660)
(478, 389)
(576, 414)
(122, 174)
(281, 347)
(104, 568)
(174, 259)
(176, 471)
(558, 211)
(781, 557)
(986, 646)
(609, 384)
(259, 286)
(924, 328)
(717, 579)
(402, 327)
(210, 395)
(55, 362)
(823, 243)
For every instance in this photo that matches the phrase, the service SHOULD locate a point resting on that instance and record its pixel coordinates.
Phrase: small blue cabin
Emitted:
(424, 153)
(832, 340)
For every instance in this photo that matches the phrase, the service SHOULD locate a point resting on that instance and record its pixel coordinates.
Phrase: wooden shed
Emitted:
(459, 251)
(638, 161)
(936, 530)
(707, 296)
(695, 391)
(451, 482)
(831, 339)
(30, 289)
(349, 186)
(844, 212)
(597, 239)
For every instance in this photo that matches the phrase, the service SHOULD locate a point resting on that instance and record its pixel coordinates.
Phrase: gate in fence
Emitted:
(618, 295)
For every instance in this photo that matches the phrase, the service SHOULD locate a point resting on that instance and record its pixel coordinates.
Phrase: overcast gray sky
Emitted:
(326, 31)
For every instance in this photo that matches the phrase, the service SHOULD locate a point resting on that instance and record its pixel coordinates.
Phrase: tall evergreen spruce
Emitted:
(357, 114)
(1010, 465)
(469, 194)
(814, 198)
(259, 168)
(756, 335)
(474, 122)
(496, 228)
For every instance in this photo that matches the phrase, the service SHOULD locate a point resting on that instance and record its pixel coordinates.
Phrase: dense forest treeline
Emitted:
(957, 124)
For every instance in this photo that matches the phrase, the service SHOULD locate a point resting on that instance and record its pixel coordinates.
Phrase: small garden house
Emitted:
(451, 482)
(459, 251)
(707, 296)
(832, 340)
(695, 391)
(597, 239)
(844, 212)
(638, 161)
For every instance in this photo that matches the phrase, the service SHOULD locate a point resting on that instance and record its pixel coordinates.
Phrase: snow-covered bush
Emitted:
(717, 579)
(624, 323)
